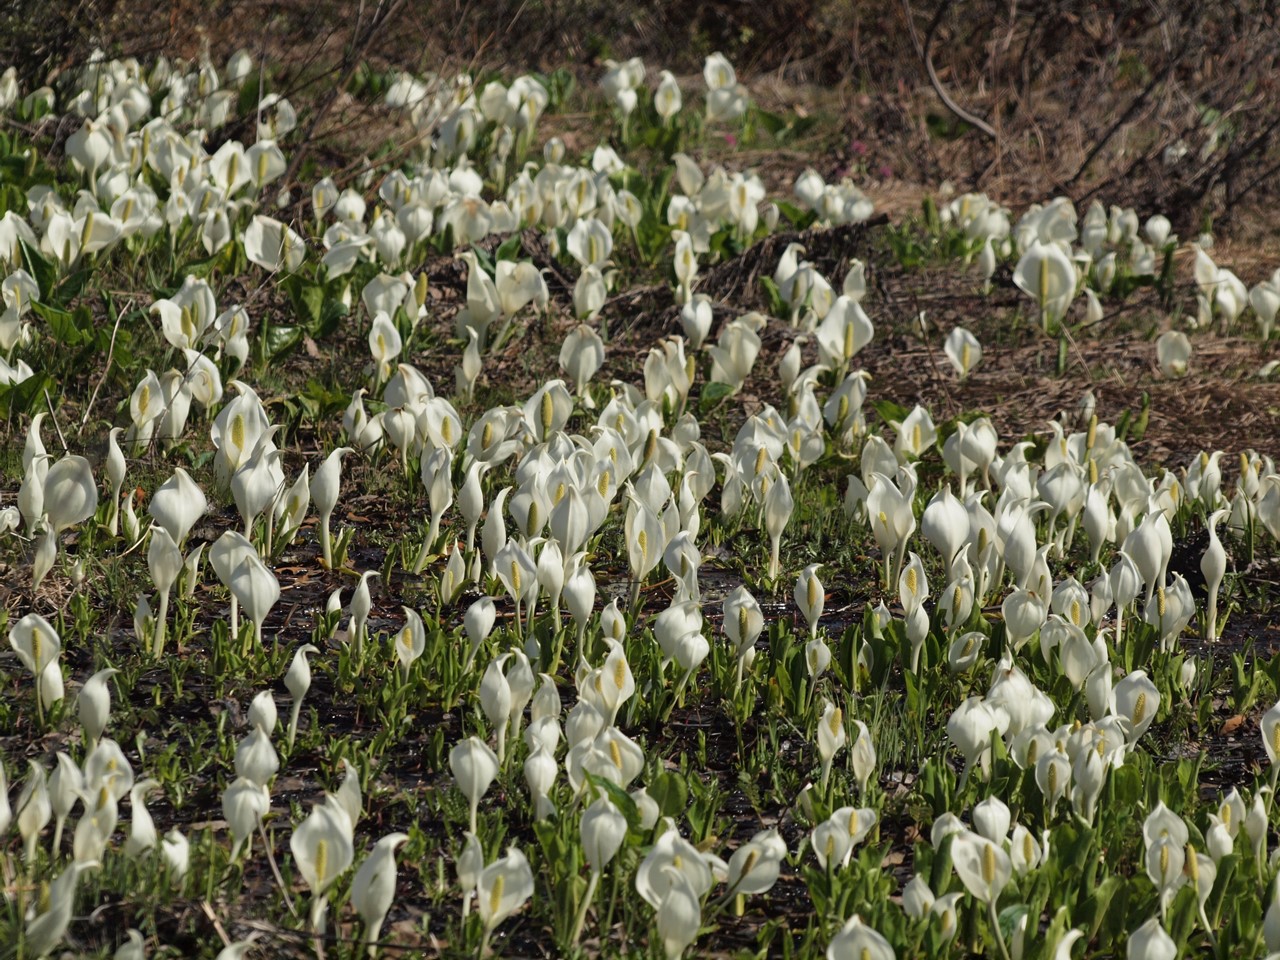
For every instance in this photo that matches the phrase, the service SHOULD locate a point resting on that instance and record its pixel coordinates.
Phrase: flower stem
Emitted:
(676, 695)
(162, 614)
(994, 921)
(293, 723)
(581, 917)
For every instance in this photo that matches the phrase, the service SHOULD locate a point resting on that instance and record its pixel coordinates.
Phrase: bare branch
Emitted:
(350, 63)
(923, 51)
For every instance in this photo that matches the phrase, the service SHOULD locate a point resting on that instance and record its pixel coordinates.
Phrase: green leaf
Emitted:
(61, 323)
(846, 654)
(331, 315)
(280, 341)
(251, 93)
(82, 317)
(559, 85)
(1057, 929)
(38, 108)
(307, 299)
(1091, 913)
(446, 241)
(509, 249)
(798, 680)
(1140, 425)
(777, 306)
(1122, 424)
(890, 412)
(914, 691)
(724, 244)
(670, 792)
(620, 799)
(799, 218)
(485, 260)
(200, 269)
(929, 210)
(945, 127)
(42, 269)
(24, 397)
(771, 122)
(940, 869)
(1009, 918)
(12, 198)
(1128, 787)
(712, 394)
(13, 169)
(71, 287)
(1226, 873)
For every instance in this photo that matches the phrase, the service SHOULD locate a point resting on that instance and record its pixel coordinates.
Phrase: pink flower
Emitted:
(858, 148)
(730, 139)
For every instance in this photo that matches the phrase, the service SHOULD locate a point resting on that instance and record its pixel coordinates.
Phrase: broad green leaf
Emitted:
(712, 394)
(798, 217)
(889, 412)
(71, 287)
(307, 299)
(25, 397)
(670, 792)
(509, 249)
(280, 341)
(1009, 919)
(40, 268)
(331, 314)
(61, 324)
(620, 798)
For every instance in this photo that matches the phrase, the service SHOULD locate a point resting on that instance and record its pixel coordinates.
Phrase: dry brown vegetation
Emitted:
(1076, 97)
(1078, 100)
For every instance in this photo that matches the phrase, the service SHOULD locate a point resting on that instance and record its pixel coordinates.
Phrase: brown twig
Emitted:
(275, 871)
(923, 51)
(54, 417)
(217, 924)
(1135, 105)
(350, 64)
(105, 370)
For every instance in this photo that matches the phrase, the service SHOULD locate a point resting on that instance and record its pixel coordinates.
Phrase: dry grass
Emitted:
(855, 68)
(1060, 82)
